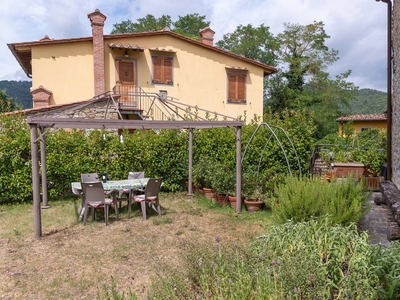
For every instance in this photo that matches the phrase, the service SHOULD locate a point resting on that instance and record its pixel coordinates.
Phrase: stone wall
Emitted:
(94, 110)
(396, 95)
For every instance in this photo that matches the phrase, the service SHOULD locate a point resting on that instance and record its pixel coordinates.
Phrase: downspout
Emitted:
(389, 88)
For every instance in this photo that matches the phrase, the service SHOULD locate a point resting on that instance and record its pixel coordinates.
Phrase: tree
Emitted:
(148, 23)
(303, 80)
(6, 103)
(190, 25)
(256, 43)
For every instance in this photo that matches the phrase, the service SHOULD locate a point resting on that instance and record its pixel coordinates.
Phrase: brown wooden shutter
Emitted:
(157, 69)
(236, 88)
(168, 70)
(231, 88)
(162, 69)
(241, 88)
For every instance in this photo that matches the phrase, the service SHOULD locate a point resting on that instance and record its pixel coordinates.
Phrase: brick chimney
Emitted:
(41, 97)
(97, 21)
(207, 36)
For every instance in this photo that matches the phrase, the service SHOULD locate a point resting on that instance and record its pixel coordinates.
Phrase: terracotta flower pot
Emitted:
(222, 199)
(253, 205)
(208, 192)
(232, 201)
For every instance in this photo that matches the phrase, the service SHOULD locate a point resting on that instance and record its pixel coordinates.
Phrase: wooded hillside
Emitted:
(19, 90)
(369, 101)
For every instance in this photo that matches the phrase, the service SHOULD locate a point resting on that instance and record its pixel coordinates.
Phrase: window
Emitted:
(237, 88)
(162, 69)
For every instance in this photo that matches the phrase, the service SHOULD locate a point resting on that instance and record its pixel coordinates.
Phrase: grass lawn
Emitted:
(73, 261)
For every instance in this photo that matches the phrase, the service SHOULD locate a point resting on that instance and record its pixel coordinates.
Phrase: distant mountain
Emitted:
(20, 90)
(368, 101)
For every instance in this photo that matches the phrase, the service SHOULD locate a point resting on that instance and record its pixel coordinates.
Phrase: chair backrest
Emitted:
(93, 191)
(135, 175)
(89, 177)
(153, 187)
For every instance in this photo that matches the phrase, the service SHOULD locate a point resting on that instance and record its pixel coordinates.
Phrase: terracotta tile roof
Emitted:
(162, 49)
(125, 46)
(359, 118)
(31, 111)
(22, 51)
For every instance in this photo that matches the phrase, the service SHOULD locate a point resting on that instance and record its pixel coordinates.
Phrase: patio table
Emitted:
(113, 186)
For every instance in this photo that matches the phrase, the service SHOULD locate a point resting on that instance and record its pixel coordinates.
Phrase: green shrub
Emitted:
(385, 265)
(223, 177)
(301, 198)
(306, 260)
(163, 153)
(318, 259)
(15, 159)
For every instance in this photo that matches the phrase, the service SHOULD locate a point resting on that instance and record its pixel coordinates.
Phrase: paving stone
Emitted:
(376, 221)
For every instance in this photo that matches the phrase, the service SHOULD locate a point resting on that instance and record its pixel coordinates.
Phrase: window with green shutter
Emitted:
(237, 88)
(162, 69)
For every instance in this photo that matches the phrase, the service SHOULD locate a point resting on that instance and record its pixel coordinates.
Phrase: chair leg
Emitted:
(129, 207)
(158, 207)
(143, 205)
(106, 209)
(85, 214)
(115, 208)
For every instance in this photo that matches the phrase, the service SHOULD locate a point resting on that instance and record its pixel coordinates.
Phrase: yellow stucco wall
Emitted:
(65, 69)
(357, 126)
(199, 74)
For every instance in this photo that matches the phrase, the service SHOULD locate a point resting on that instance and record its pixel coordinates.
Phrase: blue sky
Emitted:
(357, 27)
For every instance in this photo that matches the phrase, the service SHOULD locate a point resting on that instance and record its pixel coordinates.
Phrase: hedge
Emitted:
(161, 153)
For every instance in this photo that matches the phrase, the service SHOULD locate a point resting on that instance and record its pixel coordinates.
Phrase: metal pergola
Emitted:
(43, 124)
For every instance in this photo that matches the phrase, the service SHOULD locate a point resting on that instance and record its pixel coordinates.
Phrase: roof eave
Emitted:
(14, 52)
(268, 70)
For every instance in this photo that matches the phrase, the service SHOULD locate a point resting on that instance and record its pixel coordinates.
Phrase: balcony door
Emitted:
(126, 82)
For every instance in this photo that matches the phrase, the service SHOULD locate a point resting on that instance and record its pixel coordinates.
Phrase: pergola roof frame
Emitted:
(38, 122)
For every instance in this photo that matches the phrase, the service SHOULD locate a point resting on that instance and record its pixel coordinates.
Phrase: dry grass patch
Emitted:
(72, 261)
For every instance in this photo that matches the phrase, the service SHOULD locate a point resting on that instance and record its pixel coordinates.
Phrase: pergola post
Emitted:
(190, 185)
(43, 169)
(238, 169)
(35, 182)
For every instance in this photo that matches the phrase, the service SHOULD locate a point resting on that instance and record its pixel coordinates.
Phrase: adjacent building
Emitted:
(362, 122)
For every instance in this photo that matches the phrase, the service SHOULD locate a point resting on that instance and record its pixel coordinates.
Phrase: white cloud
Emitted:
(357, 28)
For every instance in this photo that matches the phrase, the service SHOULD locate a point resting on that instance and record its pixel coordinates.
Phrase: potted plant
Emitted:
(202, 175)
(252, 189)
(199, 174)
(223, 180)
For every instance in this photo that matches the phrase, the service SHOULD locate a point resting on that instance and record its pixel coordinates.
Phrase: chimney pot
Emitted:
(207, 36)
